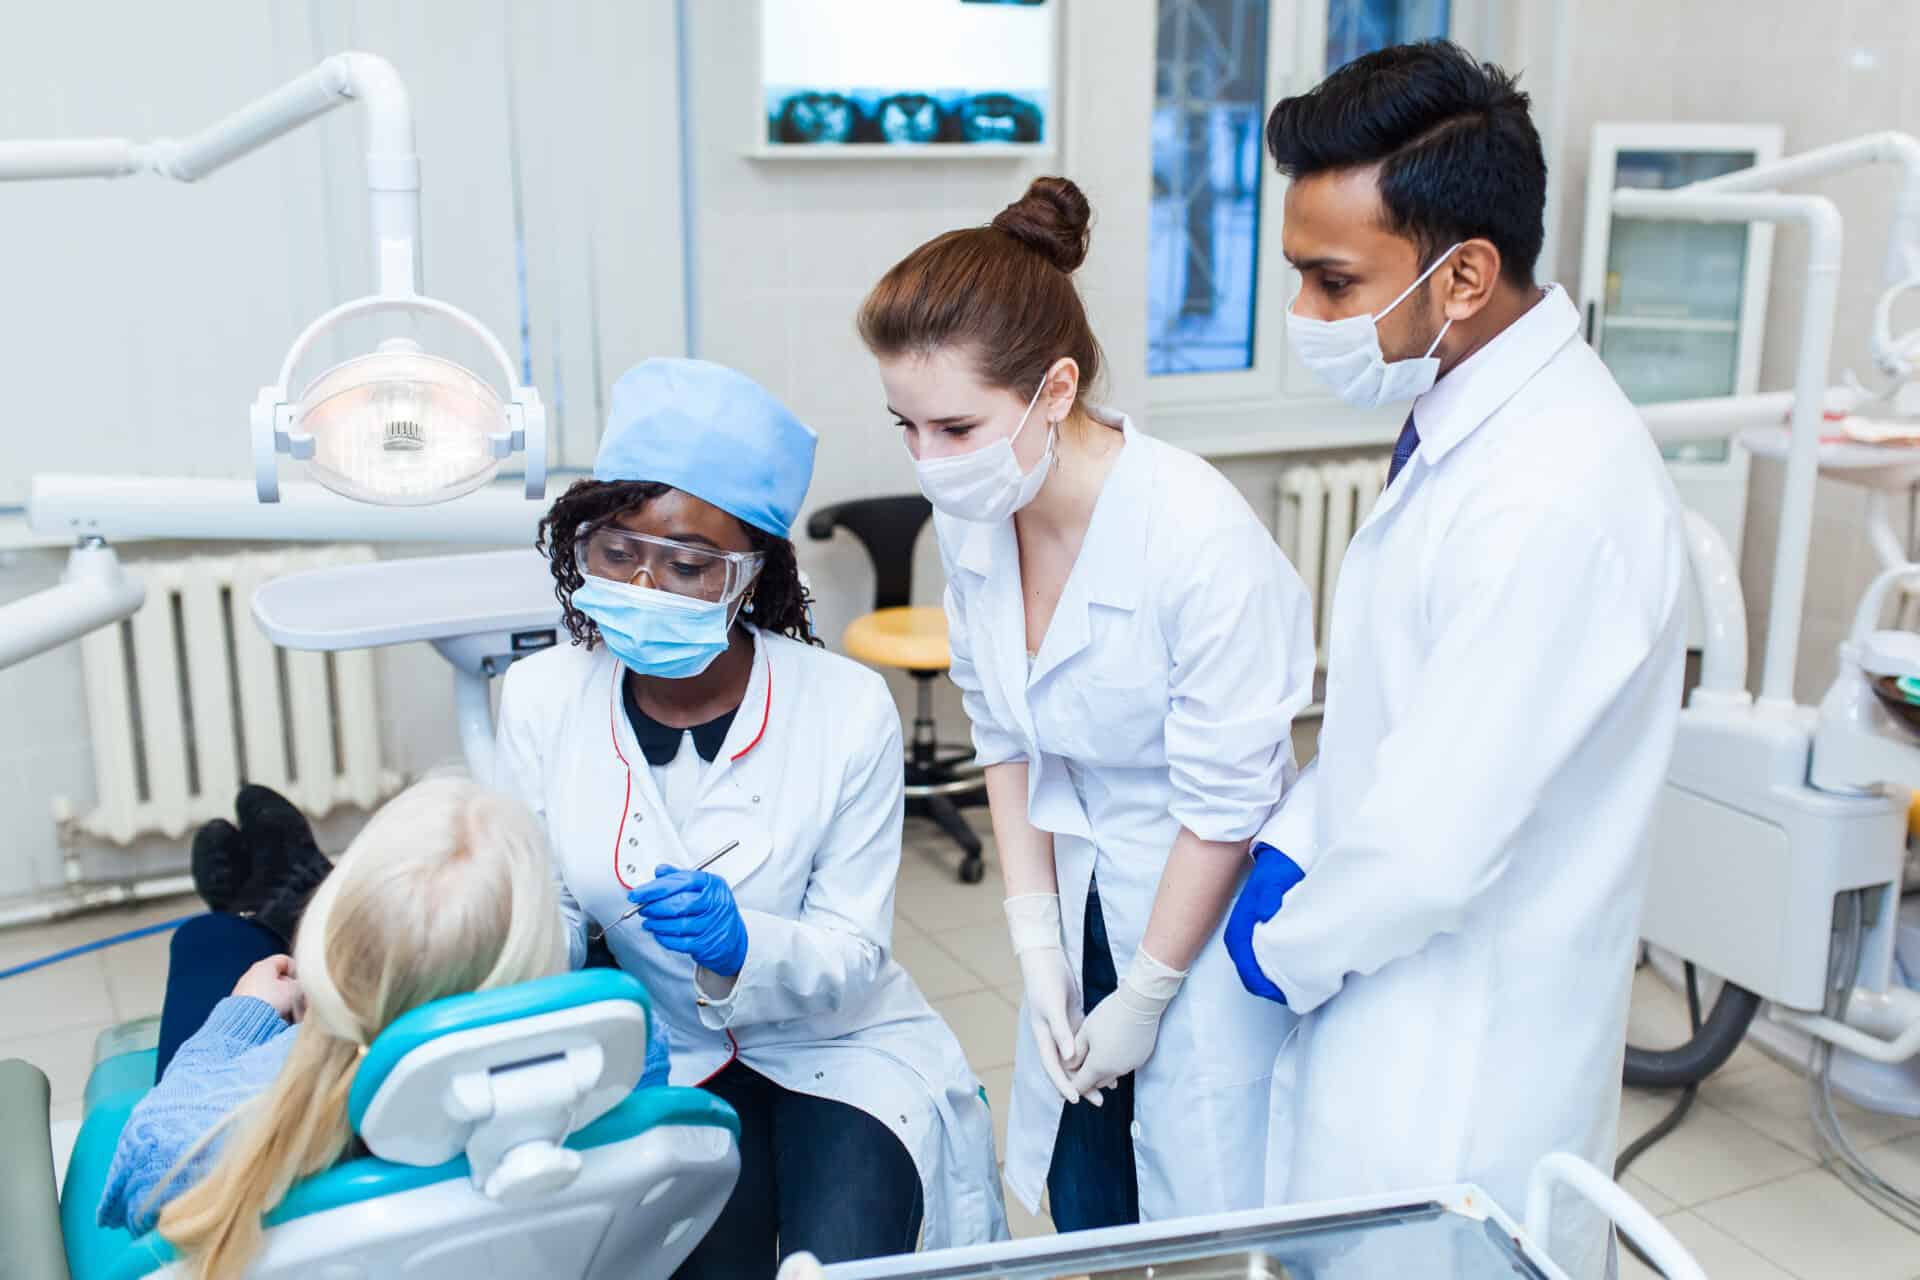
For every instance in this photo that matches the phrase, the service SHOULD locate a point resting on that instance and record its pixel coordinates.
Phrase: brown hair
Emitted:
(1003, 291)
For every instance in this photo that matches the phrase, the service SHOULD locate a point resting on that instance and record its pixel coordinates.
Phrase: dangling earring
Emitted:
(748, 606)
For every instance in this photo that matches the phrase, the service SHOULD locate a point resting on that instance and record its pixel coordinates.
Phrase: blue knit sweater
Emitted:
(231, 1060)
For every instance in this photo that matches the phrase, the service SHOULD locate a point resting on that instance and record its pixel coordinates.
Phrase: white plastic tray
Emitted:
(365, 606)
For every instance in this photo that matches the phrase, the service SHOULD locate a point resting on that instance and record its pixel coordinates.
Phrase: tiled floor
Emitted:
(1738, 1183)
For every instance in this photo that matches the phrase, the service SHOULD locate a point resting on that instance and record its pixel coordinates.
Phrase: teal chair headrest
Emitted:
(481, 1009)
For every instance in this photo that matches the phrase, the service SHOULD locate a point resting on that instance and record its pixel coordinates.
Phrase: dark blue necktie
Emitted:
(1403, 449)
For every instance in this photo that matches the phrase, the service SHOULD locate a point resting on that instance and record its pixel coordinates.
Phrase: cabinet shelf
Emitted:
(1670, 324)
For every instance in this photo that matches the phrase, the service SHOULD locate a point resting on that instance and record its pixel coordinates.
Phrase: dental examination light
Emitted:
(396, 426)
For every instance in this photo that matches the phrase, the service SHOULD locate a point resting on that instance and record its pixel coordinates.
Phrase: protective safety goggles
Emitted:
(640, 559)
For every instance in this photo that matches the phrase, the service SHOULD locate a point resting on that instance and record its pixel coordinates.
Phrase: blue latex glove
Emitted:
(693, 912)
(1274, 873)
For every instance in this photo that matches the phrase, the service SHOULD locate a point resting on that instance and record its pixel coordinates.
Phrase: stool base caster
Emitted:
(946, 816)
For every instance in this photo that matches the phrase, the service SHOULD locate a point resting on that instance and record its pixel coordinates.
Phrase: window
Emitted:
(1211, 253)
(1355, 27)
(1209, 106)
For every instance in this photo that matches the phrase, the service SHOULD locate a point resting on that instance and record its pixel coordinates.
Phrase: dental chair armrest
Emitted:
(29, 1197)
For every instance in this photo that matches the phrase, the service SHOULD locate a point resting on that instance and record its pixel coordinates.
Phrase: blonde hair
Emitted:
(448, 889)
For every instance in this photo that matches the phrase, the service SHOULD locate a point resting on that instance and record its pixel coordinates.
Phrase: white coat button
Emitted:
(629, 868)
(639, 818)
(756, 799)
(1134, 1129)
(632, 842)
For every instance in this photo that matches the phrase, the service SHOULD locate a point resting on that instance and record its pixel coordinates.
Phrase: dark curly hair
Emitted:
(780, 602)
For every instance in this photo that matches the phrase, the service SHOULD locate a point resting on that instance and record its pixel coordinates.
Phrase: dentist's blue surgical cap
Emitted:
(713, 433)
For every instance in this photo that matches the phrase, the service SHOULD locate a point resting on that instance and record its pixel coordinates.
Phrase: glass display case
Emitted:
(1676, 309)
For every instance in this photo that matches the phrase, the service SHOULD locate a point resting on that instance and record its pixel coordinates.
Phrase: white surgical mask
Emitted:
(1346, 355)
(986, 485)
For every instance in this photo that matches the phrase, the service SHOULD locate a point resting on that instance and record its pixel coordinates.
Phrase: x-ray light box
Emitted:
(897, 78)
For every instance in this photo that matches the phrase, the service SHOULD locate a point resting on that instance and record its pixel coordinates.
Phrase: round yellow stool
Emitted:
(909, 638)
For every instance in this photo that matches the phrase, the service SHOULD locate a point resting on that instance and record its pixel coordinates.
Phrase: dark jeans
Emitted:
(815, 1174)
(208, 955)
(1092, 1181)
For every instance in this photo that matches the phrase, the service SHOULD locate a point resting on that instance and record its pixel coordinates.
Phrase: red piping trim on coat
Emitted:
(626, 800)
(766, 714)
(733, 1056)
(613, 734)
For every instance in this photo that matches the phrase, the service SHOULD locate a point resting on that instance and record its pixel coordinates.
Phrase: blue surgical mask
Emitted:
(656, 633)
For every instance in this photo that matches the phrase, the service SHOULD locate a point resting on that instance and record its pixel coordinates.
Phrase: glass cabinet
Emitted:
(1676, 309)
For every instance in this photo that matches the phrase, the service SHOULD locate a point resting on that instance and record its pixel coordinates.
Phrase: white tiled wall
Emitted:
(1825, 72)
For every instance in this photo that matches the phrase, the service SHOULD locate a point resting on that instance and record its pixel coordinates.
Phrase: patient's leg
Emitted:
(208, 956)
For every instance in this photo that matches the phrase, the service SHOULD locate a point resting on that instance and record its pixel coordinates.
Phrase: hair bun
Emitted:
(1052, 220)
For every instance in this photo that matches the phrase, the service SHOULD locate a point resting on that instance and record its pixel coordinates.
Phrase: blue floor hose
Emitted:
(98, 944)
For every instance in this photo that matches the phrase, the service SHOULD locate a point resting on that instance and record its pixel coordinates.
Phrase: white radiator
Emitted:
(1320, 504)
(187, 700)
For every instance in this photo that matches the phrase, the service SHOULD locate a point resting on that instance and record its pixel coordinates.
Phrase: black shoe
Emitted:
(272, 847)
(282, 910)
(222, 864)
(279, 833)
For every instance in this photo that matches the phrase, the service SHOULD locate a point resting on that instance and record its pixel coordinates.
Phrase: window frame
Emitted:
(1276, 406)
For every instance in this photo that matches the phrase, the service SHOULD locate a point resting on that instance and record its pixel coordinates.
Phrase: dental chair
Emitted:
(507, 1139)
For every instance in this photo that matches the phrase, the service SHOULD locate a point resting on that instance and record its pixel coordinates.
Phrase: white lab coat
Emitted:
(1162, 697)
(809, 782)
(1503, 684)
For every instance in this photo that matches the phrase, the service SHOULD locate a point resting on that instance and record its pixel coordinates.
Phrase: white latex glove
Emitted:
(801, 1266)
(1118, 1037)
(1053, 997)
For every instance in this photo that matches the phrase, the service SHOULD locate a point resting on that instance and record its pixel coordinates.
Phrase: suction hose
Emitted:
(1705, 1053)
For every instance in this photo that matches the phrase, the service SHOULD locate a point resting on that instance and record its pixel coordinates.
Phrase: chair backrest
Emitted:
(503, 1077)
(656, 1171)
(888, 528)
(507, 1139)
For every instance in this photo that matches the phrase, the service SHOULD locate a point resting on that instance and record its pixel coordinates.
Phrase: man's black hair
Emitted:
(1458, 154)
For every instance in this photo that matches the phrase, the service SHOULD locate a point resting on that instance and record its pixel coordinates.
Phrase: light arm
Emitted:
(93, 592)
(393, 170)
